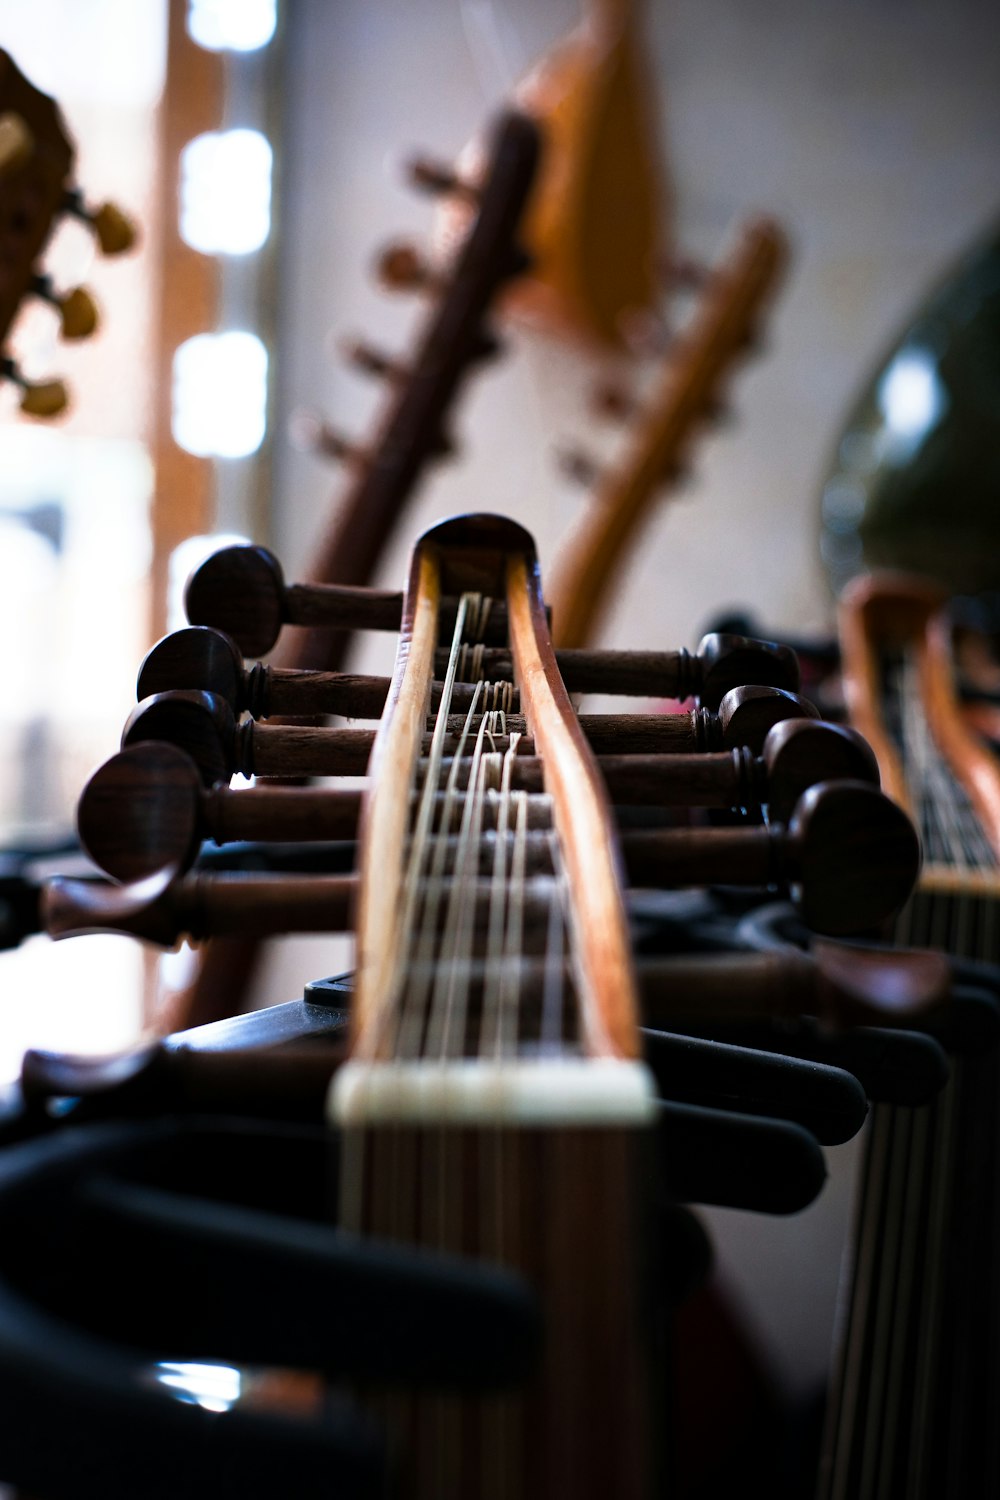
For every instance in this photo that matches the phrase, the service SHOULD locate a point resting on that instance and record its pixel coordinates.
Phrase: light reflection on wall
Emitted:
(220, 394)
(232, 25)
(225, 192)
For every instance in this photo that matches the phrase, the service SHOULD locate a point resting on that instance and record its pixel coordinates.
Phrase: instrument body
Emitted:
(919, 1370)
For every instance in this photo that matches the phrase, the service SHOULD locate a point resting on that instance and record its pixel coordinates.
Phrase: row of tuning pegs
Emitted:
(401, 267)
(113, 232)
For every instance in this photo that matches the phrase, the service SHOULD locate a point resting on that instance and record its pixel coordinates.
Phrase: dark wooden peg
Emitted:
(798, 753)
(578, 466)
(240, 591)
(723, 662)
(399, 267)
(164, 909)
(195, 657)
(200, 724)
(372, 361)
(684, 273)
(44, 398)
(78, 317)
(138, 813)
(205, 728)
(854, 854)
(614, 402)
(746, 716)
(440, 180)
(313, 434)
(849, 855)
(146, 810)
(209, 661)
(112, 229)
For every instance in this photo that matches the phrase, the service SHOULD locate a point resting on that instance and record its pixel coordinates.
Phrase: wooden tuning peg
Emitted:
(310, 432)
(77, 309)
(716, 410)
(399, 267)
(442, 446)
(46, 398)
(855, 855)
(578, 466)
(485, 345)
(242, 591)
(17, 142)
(645, 333)
(146, 810)
(439, 180)
(685, 274)
(613, 401)
(113, 230)
(371, 361)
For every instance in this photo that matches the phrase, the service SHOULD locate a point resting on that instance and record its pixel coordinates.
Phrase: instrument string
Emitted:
(446, 1028)
(554, 981)
(911, 1310)
(434, 849)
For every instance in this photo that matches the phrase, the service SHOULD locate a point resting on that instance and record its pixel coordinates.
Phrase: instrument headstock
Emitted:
(36, 190)
(723, 327)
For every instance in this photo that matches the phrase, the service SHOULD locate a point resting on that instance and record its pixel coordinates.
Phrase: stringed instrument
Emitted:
(36, 190)
(912, 1411)
(410, 434)
(494, 1027)
(722, 326)
(598, 222)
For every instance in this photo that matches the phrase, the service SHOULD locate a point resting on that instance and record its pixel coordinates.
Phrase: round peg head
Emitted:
(747, 714)
(856, 856)
(578, 466)
(401, 268)
(114, 230)
(730, 661)
(67, 1075)
(198, 658)
(800, 752)
(78, 315)
(71, 908)
(241, 591)
(47, 398)
(17, 142)
(141, 812)
(614, 402)
(872, 986)
(200, 724)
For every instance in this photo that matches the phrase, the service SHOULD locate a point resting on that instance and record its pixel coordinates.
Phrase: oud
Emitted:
(915, 1392)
